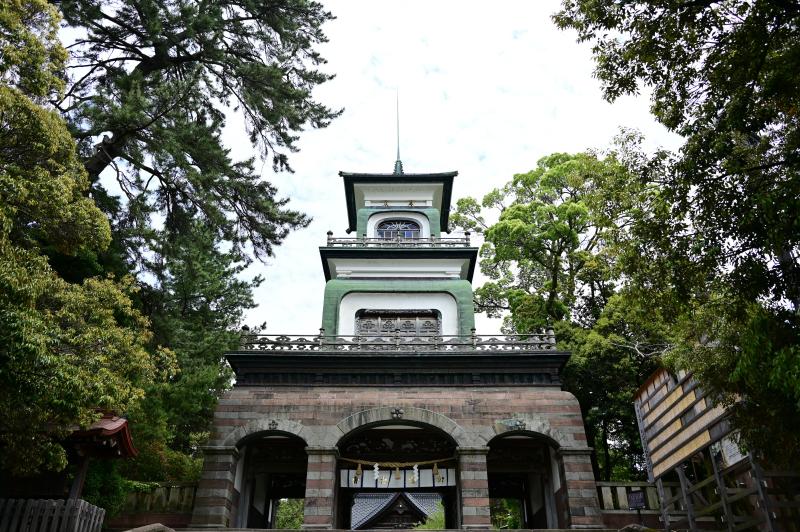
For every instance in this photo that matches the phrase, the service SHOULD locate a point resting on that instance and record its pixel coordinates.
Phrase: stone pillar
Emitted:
(216, 497)
(474, 483)
(580, 503)
(320, 487)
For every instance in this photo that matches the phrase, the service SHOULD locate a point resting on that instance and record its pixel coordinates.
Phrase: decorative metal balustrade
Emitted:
(460, 343)
(399, 242)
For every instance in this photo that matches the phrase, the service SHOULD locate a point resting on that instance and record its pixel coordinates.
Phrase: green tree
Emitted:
(435, 521)
(609, 362)
(196, 308)
(289, 515)
(737, 348)
(153, 79)
(544, 255)
(549, 263)
(717, 223)
(65, 349)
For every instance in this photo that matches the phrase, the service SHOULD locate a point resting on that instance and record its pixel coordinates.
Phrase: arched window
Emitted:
(401, 228)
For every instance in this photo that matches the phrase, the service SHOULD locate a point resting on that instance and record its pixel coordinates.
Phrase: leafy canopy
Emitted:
(725, 75)
(543, 256)
(289, 515)
(65, 349)
(148, 93)
(154, 77)
(549, 263)
(743, 352)
(714, 239)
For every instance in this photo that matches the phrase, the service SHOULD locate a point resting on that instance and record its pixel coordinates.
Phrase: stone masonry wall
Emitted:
(322, 416)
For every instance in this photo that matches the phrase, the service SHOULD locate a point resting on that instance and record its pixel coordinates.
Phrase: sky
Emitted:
(484, 91)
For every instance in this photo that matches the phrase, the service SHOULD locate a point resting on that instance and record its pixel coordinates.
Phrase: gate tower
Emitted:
(397, 394)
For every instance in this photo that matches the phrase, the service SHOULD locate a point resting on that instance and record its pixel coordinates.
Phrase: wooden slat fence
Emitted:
(40, 515)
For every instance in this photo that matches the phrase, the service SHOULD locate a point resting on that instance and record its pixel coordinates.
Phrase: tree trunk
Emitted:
(103, 155)
(791, 276)
(606, 452)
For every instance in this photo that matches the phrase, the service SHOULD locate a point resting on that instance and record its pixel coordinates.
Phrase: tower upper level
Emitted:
(425, 194)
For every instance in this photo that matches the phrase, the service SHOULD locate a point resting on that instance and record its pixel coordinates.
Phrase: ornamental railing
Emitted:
(398, 342)
(399, 242)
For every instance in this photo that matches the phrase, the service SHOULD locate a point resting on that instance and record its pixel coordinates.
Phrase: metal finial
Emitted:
(398, 165)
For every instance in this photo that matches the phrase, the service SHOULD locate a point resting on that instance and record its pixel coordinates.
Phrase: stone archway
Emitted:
(530, 426)
(412, 415)
(400, 434)
(266, 425)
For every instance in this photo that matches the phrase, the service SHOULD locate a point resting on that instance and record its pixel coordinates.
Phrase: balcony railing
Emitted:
(460, 343)
(399, 242)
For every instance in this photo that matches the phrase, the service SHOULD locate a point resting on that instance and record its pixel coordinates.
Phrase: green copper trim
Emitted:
(336, 289)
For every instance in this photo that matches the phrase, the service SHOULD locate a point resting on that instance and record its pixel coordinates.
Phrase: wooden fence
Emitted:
(39, 515)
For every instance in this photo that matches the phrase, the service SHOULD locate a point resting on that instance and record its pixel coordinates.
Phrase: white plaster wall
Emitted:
(375, 219)
(396, 192)
(444, 303)
(554, 471)
(441, 268)
(237, 482)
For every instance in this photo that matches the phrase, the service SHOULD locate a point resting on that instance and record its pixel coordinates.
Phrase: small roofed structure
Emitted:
(377, 511)
(108, 437)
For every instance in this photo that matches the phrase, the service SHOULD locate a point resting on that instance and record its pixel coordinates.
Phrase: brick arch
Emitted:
(411, 415)
(241, 435)
(533, 427)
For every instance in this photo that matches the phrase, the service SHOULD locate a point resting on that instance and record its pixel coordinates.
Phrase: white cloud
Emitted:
(485, 91)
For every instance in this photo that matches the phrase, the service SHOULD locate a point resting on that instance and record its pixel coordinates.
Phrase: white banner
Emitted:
(386, 478)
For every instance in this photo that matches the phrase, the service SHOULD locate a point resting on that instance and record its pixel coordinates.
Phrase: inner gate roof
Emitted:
(368, 505)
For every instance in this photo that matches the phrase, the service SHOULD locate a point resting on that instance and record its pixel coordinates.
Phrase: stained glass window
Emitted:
(401, 228)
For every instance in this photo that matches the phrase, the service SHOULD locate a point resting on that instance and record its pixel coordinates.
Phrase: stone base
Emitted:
(316, 527)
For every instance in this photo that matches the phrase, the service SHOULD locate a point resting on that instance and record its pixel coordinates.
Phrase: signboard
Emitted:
(636, 500)
(726, 452)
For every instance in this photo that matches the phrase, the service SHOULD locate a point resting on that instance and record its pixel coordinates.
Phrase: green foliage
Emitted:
(714, 238)
(156, 76)
(156, 462)
(154, 79)
(505, 514)
(737, 347)
(543, 256)
(549, 264)
(104, 487)
(435, 520)
(66, 350)
(289, 514)
(30, 53)
(609, 363)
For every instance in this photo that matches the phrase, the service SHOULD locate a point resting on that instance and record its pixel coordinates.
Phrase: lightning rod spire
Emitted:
(398, 165)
